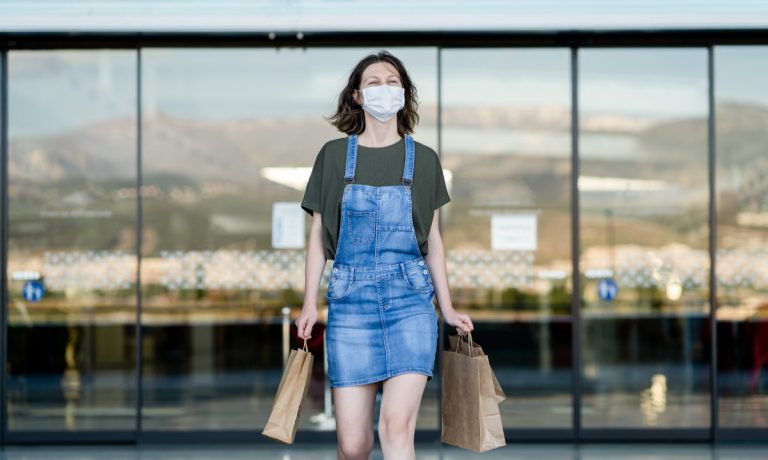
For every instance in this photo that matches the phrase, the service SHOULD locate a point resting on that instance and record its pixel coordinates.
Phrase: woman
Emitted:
(374, 197)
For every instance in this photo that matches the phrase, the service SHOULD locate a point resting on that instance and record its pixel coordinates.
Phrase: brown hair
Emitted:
(349, 117)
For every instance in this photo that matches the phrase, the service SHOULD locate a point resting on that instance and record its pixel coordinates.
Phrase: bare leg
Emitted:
(397, 417)
(354, 420)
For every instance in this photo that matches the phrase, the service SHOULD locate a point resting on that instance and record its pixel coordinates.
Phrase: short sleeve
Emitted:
(311, 201)
(441, 191)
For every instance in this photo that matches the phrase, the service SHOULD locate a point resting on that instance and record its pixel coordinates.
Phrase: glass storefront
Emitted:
(155, 243)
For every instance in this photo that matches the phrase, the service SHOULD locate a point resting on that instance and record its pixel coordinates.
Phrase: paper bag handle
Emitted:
(305, 345)
(469, 338)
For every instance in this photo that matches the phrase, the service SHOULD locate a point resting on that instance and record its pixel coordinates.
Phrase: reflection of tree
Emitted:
(651, 296)
(558, 300)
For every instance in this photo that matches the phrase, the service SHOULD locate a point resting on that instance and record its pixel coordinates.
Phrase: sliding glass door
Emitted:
(506, 148)
(644, 261)
(71, 311)
(741, 97)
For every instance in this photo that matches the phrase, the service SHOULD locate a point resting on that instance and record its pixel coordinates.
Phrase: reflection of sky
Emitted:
(56, 91)
(52, 91)
(522, 78)
(60, 90)
(653, 83)
(227, 83)
(740, 74)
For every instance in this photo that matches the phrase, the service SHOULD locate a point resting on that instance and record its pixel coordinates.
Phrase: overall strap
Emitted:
(351, 161)
(410, 153)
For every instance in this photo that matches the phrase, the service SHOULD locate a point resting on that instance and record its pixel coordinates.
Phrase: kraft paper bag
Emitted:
(470, 416)
(286, 408)
(477, 351)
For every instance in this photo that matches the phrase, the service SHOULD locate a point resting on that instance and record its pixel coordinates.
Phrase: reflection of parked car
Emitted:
(760, 347)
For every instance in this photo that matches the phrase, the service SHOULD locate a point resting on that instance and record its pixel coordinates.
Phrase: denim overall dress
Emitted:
(381, 319)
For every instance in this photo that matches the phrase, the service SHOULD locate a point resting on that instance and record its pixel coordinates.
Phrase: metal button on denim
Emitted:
(381, 325)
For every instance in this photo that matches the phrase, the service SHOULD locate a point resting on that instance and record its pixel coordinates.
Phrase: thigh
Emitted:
(354, 406)
(402, 398)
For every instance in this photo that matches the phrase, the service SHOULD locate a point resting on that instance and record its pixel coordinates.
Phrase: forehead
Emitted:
(381, 70)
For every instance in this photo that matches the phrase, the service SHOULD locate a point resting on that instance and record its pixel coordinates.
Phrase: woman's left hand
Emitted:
(460, 321)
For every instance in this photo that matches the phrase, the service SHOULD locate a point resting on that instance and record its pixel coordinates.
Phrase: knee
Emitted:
(396, 430)
(355, 449)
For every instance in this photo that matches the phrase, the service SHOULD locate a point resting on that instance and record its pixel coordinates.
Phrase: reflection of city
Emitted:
(674, 270)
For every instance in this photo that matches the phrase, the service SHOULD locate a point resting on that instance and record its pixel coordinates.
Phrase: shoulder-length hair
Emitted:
(349, 117)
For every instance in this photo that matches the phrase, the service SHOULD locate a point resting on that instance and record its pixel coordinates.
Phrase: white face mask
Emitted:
(383, 101)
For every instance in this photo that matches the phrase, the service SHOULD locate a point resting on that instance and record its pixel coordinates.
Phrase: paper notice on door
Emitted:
(515, 232)
(287, 225)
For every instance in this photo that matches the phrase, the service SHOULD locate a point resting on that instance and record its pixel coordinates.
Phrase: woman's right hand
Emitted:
(306, 321)
(461, 321)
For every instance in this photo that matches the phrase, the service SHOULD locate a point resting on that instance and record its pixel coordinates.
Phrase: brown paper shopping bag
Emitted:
(471, 396)
(453, 341)
(286, 408)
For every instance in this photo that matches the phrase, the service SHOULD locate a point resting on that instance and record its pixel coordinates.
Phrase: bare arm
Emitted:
(438, 269)
(313, 271)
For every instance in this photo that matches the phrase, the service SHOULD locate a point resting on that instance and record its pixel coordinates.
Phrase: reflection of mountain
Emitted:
(232, 150)
(742, 132)
(742, 136)
(549, 118)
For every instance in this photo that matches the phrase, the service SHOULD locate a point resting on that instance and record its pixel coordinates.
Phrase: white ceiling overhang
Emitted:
(370, 16)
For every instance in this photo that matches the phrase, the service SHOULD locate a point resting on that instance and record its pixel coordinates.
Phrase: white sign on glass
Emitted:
(516, 232)
(287, 225)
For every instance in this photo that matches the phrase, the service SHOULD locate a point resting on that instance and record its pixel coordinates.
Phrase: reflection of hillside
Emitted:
(742, 132)
(548, 118)
(486, 184)
(232, 149)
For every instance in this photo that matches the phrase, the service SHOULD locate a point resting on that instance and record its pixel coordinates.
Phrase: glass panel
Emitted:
(229, 139)
(741, 95)
(71, 248)
(644, 237)
(507, 152)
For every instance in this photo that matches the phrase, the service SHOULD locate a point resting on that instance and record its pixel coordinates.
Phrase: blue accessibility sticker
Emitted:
(607, 289)
(33, 290)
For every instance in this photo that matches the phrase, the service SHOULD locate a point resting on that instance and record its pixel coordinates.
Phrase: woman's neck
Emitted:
(379, 135)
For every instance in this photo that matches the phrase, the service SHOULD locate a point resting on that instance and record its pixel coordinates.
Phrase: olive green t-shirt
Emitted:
(376, 166)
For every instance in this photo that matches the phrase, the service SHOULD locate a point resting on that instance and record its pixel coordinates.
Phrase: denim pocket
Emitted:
(361, 225)
(340, 283)
(418, 279)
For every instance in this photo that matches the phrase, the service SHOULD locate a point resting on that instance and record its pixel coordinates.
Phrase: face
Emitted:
(378, 73)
